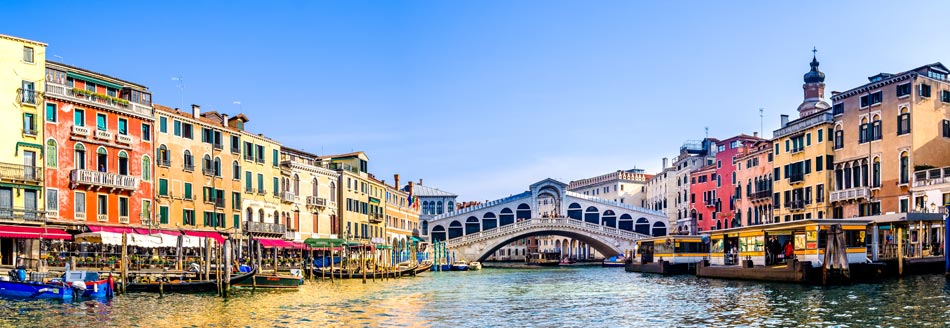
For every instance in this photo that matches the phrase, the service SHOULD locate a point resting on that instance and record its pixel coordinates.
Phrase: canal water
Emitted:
(556, 297)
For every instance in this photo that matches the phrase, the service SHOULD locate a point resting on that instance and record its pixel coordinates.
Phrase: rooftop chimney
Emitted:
(195, 111)
(784, 120)
(664, 162)
(224, 120)
(396, 181)
(755, 134)
(420, 181)
(410, 187)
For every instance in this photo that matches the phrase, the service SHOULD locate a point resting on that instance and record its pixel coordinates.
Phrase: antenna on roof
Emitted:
(707, 132)
(61, 59)
(238, 102)
(181, 90)
(761, 122)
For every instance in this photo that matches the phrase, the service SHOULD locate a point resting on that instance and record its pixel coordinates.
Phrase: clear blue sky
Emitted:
(482, 98)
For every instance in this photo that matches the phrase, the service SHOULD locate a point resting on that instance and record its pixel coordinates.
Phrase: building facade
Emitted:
(402, 219)
(702, 198)
(659, 192)
(693, 156)
(754, 177)
(99, 141)
(622, 186)
(261, 201)
(309, 196)
(432, 201)
(884, 131)
(361, 206)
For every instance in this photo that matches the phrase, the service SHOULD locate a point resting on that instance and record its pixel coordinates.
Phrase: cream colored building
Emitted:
(308, 195)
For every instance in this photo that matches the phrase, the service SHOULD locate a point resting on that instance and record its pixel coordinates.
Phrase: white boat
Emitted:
(459, 266)
(475, 266)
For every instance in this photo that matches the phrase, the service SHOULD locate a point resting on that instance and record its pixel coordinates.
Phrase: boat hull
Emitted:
(33, 290)
(101, 288)
(609, 264)
(267, 281)
(460, 267)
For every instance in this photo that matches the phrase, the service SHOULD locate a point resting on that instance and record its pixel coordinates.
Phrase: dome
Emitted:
(814, 75)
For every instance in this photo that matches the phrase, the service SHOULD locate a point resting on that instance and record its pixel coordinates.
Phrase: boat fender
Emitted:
(78, 285)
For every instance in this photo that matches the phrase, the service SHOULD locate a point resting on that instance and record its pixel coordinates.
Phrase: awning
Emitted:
(274, 243)
(33, 232)
(205, 234)
(148, 241)
(324, 242)
(118, 230)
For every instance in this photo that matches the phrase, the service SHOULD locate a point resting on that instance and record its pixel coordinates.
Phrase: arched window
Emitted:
(163, 159)
(51, 155)
(839, 138)
(438, 207)
(451, 206)
(206, 165)
(425, 207)
(296, 184)
(250, 215)
(102, 159)
(236, 170)
(146, 168)
(276, 217)
(79, 156)
(903, 121)
(332, 191)
(905, 168)
(260, 214)
(188, 161)
(315, 185)
(217, 167)
(123, 163)
(592, 215)
(876, 174)
(425, 227)
(574, 211)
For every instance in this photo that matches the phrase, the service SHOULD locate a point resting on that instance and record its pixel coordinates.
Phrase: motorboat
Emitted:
(474, 266)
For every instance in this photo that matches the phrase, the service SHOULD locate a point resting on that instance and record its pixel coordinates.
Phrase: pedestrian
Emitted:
(768, 251)
(789, 250)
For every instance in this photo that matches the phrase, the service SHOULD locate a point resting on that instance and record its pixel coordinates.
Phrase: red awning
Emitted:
(298, 245)
(95, 228)
(274, 243)
(205, 234)
(33, 232)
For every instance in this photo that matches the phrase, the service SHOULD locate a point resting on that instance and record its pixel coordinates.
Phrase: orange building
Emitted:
(102, 137)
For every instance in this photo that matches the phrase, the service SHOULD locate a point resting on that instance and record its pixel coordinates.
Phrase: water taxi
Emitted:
(674, 254)
(616, 261)
(791, 251)
(543, 258)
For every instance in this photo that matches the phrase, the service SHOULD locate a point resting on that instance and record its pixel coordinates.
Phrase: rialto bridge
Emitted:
(546, 209)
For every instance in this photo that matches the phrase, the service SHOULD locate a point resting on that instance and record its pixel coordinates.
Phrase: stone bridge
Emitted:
(606, 240)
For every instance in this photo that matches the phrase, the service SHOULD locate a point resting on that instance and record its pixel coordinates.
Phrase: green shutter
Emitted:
(177, 125)
(260, 182)
(275, 158)
(248, 180)
(276, 185)
(237, 220)
(188, 190)
(163, 187)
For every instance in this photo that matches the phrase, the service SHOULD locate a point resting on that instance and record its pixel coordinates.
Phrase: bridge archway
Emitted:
(574, 211)
(489, 221)
(642, 226)
(659, 229)
(455, 229)
(523, 212)
(610, 219)
(438, 233)
(472, 225)
(581, 239)
(626, 222)
(592, 215)
(507, 217)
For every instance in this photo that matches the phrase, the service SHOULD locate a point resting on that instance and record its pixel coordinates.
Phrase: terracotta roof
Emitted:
(353, 154)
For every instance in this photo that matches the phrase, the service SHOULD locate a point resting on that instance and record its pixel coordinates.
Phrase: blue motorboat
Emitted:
(35, 290)
(90, 283)
(459, 266)
(614, 261)
(323, 261)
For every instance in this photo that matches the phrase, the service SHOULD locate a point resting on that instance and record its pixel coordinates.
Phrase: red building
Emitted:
(98, 137)
(715, 204)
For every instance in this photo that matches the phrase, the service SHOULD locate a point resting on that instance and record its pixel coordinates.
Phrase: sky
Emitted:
(483, 98)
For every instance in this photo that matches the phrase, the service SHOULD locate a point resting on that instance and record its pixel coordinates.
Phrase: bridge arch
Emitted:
(472, 225)
(455, 229)
(489, 221)
(592, 215)
(507, 217)
(574, 211)
(595, 243)
(642, 226)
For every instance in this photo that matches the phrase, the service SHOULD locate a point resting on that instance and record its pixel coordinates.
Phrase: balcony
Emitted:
(124, 219)
(28, 97)
(96, 99)
(218, 203)
(316, 201)
(104, 135)
(375, 218)
(292, 235)
(163, 163)
(262, 192)
(30, 132)
(249, 190)
(208, 171)
(21, 173)
(80, 216)
(795, 205)
(188, 167)
(124, 139)
(81, 131)
(931, 177)
(103, 180)
(102, 217)
(849, 194)
(262, 227)
(796, 177)
(217, 146)
(19, 213)
(287, 197)
(761, 194)
(709, 202)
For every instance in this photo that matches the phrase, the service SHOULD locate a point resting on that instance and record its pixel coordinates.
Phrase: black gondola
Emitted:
(180, 286)
(359, 275)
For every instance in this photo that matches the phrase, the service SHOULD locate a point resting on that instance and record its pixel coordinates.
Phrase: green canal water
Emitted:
(557, 297)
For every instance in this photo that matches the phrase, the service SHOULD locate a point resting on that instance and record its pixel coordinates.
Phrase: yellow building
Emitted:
(402, 220)
(802, 156)
(361, 198)
(308, 195)
(261, 201)
(198, 166)
(21, 130)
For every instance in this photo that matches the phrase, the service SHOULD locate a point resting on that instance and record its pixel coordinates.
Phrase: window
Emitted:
(235, 170)
(819, 164)
(51, 113)
(945, 96)
(163, 124)
(876, 174)
(946, 129)
(206, 165)
(248, 151)
(820, 193)
(163, 214)
(260, 154)
(276, 186)
(186, 131)
(871, 99)
(123, 126)
(90, 86)
(839, 139)
(188, 217)
(276, 159)
(163, 187)
(905, 173)
(102, 205)
(28, 54)
(29, 124)
(903, 122)
(101, 122)
(52, 201)
(79, 117)
(820, 135)
(236, 200)
(51, 155)
(146, 169)
(903, 90)
(260, 183)
(79, 203)
(177, 127)
(924, 90)
(863, 133)
(837, 109)
(235, 145)
(189, 161)
(146, 132)
(217, 167)
(875, 132)
(187, 194)
(123, 207)
(79, 156)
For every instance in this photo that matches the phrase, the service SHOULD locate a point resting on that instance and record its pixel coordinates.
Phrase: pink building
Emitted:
(716, 197)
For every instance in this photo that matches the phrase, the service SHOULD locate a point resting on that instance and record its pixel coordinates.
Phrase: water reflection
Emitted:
(563, 297)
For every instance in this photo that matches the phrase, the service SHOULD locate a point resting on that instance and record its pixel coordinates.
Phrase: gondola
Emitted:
(181, 286)
(266, 281)
(422, 267)
(369, 275)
